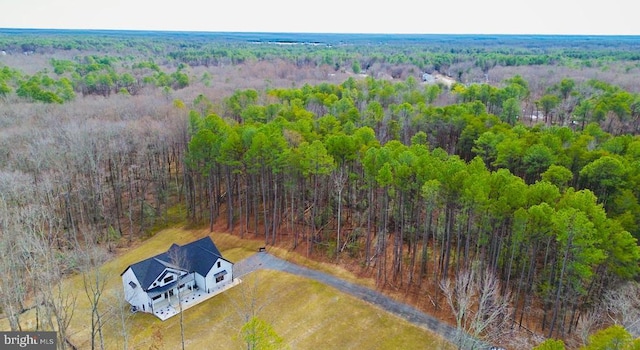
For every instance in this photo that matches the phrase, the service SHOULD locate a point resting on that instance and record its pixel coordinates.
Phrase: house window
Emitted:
(181, 286)
(133, 284)
(220, 276)
(168, 279)
(157, 297)
(218, 264)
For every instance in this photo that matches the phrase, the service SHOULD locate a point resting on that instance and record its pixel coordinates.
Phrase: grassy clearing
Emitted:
(305, 313)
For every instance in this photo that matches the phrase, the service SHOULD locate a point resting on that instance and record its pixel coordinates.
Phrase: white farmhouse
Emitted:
(152, 284)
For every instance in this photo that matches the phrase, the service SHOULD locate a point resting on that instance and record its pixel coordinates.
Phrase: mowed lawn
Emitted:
(304, 313)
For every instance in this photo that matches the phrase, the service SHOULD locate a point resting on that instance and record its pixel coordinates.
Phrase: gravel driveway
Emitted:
(265, 260)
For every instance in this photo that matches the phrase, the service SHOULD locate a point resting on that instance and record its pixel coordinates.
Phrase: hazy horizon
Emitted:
(310, 33)
(490, 17)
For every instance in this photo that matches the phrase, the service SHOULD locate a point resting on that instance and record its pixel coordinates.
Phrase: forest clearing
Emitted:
(314, 316)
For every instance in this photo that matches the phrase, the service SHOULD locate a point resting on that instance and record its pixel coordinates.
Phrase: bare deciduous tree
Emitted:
(13, 286)
(177, 258)
(94, 281)
(118, 310)
(623, 306)
(480, 308)
(55, 306)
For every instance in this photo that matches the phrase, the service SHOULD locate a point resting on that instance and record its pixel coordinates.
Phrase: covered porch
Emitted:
(166, 308)
(162, 295)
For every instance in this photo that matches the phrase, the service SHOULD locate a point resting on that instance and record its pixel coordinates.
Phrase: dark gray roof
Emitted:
(198, 256)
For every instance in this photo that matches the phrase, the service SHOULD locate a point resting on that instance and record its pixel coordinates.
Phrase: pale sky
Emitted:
(610, 17)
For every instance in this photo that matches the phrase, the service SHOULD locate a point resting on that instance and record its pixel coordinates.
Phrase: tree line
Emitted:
(466, 58)
(78, 181)
(89, 75)
(419, 194)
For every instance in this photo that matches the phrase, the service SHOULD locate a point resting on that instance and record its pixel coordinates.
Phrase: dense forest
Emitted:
(496, 174)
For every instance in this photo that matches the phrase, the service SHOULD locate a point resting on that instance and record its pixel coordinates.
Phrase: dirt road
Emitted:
(265, 260)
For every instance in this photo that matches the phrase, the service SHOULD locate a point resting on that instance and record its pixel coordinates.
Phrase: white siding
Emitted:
(135, 296)
(199, 281)
(211, 279)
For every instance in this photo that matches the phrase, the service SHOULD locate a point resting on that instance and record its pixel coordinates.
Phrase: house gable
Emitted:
(168, 276)
(200, 256)
(133, 292)
(152, 284)
(130, 278)
(148, 271)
